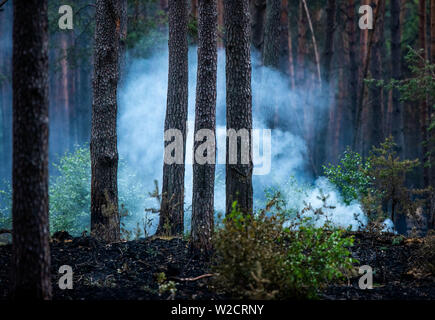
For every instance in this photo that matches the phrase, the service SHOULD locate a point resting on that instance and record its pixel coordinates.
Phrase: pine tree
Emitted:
(105, 222)
(239, 104)
(172, 206)
(31, 277)
(205, 118)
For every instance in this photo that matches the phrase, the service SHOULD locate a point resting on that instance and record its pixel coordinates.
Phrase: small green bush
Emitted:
(350, 176)
(258, 258)
(69, 195)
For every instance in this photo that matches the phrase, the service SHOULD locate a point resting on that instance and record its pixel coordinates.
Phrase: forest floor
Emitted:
(128, 270)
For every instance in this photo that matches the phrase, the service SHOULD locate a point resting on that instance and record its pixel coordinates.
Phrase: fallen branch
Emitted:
(2, 231)
(208, 275)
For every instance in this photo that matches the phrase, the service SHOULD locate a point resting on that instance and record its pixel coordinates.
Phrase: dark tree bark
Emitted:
(396, 73)
(31, 252)
(271, 48)
(353, 58)
(239, 103)
(291, 67)
(367, 43)
(323, 114)
(432, 31)
(258, 13)
(424, 114)
(302, 50)
(172, 206)
(374, 123)
(328, 52)
(104, 153)
(123, 6)
(205, 118)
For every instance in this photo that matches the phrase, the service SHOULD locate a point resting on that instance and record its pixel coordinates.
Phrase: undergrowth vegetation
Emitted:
(378, 183)
(261, 257)
(69, 195)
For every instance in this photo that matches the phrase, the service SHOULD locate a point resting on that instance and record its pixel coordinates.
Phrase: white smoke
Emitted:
(141, 125)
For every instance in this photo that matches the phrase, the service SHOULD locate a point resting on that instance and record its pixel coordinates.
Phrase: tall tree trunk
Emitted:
(172, 207)
(328, 52)
(359, 143)
(432, 31)
(220, 10)
(31, 277)
(374, 123)
(353, 59)
(424, 115)
(322, 115)
(313, 39)
(396, 73)
(104, 153)
(291, 66)
(205, 118)
(271, 48)
(194, 8)
(239, 104)
(258, 14)
(302, 51)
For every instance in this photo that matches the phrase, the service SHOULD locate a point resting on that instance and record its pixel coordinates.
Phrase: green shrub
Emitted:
(258, 258)
(70, 194)
(350, 176)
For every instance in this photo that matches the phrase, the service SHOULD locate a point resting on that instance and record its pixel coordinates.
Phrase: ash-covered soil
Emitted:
(128, 270)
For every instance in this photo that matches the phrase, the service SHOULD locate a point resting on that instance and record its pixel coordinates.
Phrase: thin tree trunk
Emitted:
(258, 13)
(365, 67)
(396, 73)
(105, 222)
(374, 126)
(172, 207)
(322, 115)
(205, 118)
(353, 58)
(424, 117)
(329, 39)
(220, 28)
(239, 104)
(432, 31)
(302, 51)
(291, 66)
(271, 48)
(313, 38)
(31, 276)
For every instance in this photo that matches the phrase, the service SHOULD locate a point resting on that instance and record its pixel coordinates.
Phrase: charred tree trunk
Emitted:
(205, 118)
(396, 73)
(104, 153)
(239, 105)
(31, 277)
(172, 206)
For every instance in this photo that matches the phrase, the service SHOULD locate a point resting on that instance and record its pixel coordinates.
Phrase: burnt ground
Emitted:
(127, 270)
